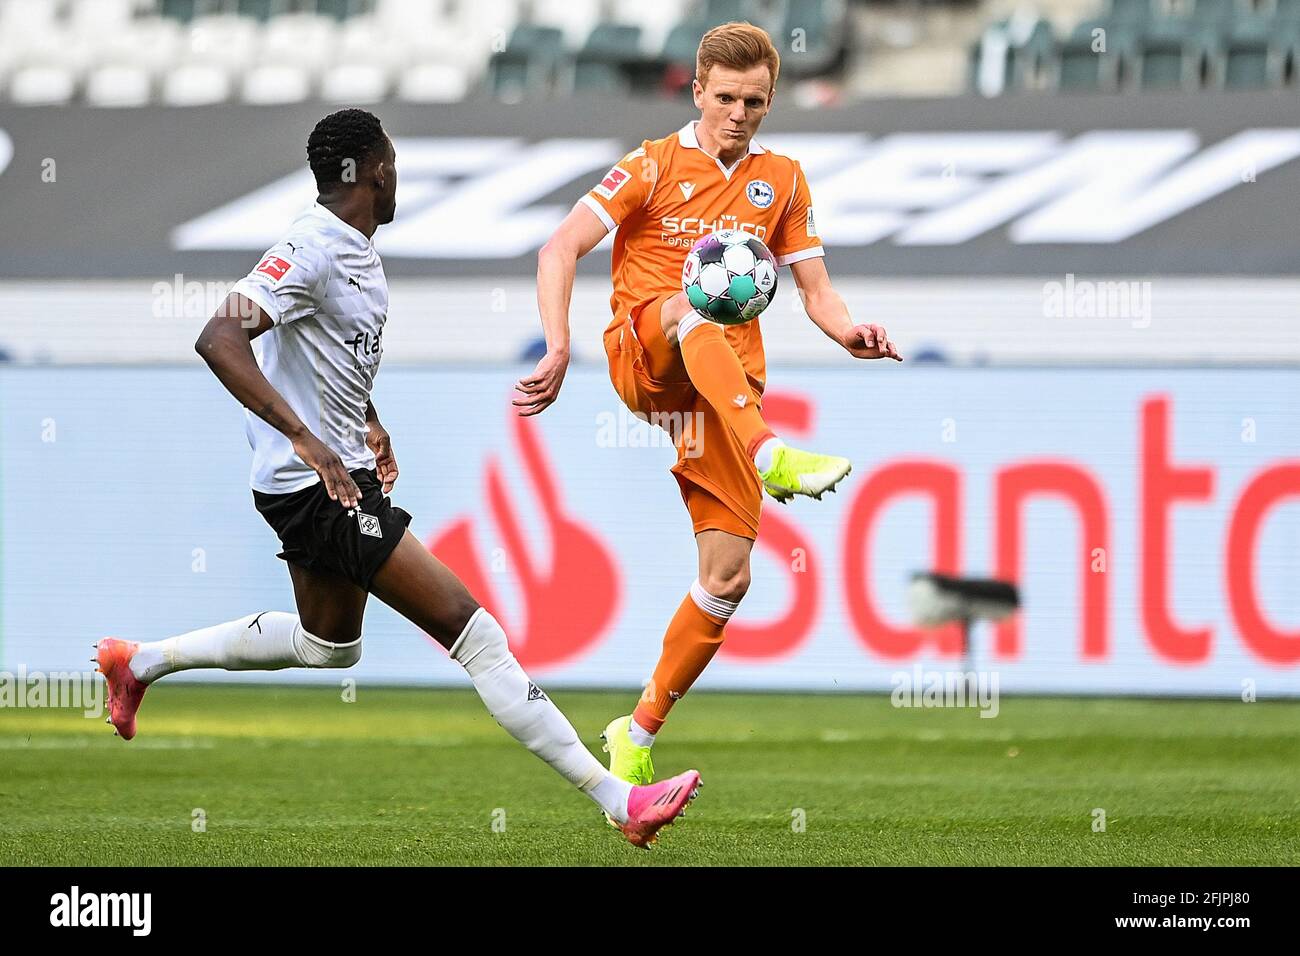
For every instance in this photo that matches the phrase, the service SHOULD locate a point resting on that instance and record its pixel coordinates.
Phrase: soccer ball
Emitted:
(729, 276)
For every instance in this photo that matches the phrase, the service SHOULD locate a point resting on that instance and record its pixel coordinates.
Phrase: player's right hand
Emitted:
(542, 387)
(321, 459)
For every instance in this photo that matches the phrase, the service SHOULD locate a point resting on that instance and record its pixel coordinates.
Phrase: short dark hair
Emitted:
(346, 135)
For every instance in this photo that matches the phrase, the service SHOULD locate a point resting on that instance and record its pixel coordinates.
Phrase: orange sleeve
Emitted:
(796, 234)
(624, 188)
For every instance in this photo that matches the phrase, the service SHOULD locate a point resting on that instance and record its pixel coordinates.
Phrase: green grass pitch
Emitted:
(404, 776)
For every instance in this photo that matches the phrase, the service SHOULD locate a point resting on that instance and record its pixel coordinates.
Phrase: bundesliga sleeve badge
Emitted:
(274, 267)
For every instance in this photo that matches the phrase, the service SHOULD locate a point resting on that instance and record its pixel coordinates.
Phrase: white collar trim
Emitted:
(686, 136)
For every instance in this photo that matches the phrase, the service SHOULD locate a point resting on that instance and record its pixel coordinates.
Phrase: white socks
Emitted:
(639, 735)
(763, 457)
(528, 715)
(259, 642)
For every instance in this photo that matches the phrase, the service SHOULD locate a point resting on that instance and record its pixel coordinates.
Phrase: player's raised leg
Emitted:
(719, 376)
(422, 589)
(326, 632)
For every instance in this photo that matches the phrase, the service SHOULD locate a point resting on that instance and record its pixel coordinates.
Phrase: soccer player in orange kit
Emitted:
(667, 360)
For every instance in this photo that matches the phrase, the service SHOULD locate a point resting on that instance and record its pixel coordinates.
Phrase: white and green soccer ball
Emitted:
(729, 276)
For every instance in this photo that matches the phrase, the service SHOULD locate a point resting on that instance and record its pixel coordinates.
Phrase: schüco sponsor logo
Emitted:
(673, 228)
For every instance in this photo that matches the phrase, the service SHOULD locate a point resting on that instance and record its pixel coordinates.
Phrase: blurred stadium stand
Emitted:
(1143, 45)
(192, 52)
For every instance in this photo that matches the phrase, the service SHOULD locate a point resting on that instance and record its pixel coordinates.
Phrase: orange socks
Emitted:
(717, 374)
(693, 637)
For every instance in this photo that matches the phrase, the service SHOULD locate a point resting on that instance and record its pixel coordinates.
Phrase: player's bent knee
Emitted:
(714, 596)
(314, 651)
(672, 313)
(732, 588)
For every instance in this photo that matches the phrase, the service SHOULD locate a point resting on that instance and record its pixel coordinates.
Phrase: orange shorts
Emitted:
(717, 479)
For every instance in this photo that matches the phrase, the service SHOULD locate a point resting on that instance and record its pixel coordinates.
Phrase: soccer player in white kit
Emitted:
(322, 468)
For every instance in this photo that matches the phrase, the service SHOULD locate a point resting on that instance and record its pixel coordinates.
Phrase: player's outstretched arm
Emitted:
(225, 344)
(557, 263)
(828, 311)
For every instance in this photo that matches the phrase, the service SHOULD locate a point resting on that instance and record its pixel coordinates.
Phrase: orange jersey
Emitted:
(668, 193)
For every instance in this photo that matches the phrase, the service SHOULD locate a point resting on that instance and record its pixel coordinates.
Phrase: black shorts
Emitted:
(320, 534)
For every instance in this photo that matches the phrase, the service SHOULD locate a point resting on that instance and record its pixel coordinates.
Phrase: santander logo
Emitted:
(569, 602)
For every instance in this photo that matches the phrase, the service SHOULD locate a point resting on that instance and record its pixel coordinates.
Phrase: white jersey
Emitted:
(324, 288)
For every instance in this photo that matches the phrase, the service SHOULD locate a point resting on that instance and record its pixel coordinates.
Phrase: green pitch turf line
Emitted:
(294, 775)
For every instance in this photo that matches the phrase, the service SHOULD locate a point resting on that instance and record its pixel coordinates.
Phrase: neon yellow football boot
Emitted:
(627, 761)
(796, 472)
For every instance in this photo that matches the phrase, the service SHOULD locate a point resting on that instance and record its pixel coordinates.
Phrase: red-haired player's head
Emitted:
(735, 79)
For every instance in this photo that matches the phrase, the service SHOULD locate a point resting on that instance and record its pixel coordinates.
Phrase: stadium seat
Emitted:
(100, 17)
(1213, 16)
(181, 10)
(272, 83)
(613, 42)
(337, 9)
(1011, 54)
(152, 44)
(28, 15)
(365, 40)
(811, 35)
(683, 41)
(528, 62)
(354, 83)
(1082, 68)
(1079, 69)
(574, 18)
(196, 84)
(42, 85)
(412, 14)
(433, 83)
(1170, 56)
(599, 77)
(118, 84)
(301, 39)
(1246, 56)
(1245, 64)
(472, 31)
(598, 65)
(1132, 13)
(261, 9)
(230, 41)
(655, 19)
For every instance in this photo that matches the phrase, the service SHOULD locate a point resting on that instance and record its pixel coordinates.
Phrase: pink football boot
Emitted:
(124, 691)
(652, 807)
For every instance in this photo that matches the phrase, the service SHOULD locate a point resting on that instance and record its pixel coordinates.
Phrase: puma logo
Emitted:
(352, 281)
(687, 189)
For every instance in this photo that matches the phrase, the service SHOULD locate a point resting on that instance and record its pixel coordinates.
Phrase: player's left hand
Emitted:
(385, 464)
(542, 387)
(870, 342)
